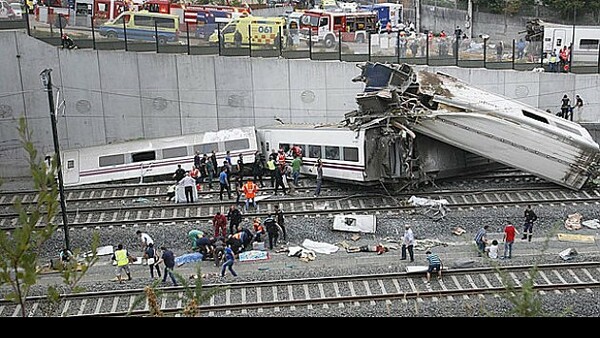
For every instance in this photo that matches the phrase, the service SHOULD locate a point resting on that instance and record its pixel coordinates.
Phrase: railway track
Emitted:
(308, 205)
(323, 292)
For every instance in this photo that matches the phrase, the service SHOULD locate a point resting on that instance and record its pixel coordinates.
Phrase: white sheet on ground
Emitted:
(355, 223)
(426, 202)
(320, 247)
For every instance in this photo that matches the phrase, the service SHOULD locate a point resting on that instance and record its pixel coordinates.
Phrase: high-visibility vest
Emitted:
(250, 189)
(121, 257)
(281, 158)
(271, 165)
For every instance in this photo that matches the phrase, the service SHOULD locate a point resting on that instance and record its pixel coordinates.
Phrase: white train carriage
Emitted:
(364, 155)
(153, 157)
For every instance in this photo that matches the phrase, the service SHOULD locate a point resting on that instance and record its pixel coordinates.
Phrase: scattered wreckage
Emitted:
(407, 104)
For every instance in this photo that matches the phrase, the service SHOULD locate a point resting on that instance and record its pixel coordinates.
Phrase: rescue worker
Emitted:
(279, 174)
(250, 189)
(193, 235)
(271, 167)
(220, 224)
(530, 217)
(258, 167)
(280, 218)
(259, 230)
(235, 218)
(272, 230)
(122, 258)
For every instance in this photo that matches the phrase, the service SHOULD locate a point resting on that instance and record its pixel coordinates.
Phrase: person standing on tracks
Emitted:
(151, 256)
(258, 167)
(179, 173)
(280, 218)
(240, 166)
(509, 238)
(272, 230)
(189, 184)
(530, 217)
(197, 160)
(210, 172)
(435, 264)
(250, 189)
(145, 239)
(229, 260)
(408, 242)
(168, 258)
(122, 258)
(319, 166)
(213, 159)
(296, 165)
(220, 224)
(235, 218)
(481, 239)
(271, 167)
(279, 174)
(224, 183)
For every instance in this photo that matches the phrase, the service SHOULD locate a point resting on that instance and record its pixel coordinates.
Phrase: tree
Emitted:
(19, 249)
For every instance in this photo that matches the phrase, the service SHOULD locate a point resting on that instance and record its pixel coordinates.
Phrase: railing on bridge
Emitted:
(395, 47)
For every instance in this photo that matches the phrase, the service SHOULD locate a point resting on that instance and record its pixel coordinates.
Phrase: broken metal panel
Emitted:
(489, 125)
(355, 223)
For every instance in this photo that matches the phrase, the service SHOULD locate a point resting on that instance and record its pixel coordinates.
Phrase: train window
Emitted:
(107, 161)
(351, 154)
(535, 116)
(588, 44)
(174, 152)
(70, 164)
(332, 153)
(206, 148)
(144, 156)
(314, 151)
(285, 147)
(237, 144)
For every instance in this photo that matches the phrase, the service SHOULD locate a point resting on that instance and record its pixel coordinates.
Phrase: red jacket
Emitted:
(220, 221)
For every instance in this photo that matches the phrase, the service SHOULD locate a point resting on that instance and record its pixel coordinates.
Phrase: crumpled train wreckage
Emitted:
(426, 125)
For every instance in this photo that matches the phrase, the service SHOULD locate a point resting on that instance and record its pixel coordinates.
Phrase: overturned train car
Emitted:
(418, 102)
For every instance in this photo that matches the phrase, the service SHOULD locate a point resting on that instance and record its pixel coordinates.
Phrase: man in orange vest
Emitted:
(250, 189)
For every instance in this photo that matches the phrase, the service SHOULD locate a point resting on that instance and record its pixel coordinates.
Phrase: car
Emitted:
(6, 11)
(18, 9)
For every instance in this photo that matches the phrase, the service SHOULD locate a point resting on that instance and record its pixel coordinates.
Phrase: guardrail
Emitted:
(395, 47)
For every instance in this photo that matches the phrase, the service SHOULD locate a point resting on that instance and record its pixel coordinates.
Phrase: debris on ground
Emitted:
(355, 237)
(458, 231)
(576, 238)
(568, 254)
(573, 221)
(425, 244)
(305, 255)
(591, 223)
(320, 247)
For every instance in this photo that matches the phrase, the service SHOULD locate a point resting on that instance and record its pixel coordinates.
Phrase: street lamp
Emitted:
(46, 78)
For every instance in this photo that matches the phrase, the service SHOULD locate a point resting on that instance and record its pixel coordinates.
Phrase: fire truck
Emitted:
(324, 27)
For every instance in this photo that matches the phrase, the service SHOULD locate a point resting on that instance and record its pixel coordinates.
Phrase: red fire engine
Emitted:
(105, 10)
(325, 27)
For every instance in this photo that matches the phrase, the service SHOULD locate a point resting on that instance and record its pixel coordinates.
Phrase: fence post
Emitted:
(456, 42)
(219, 37)
(397, 46)
(310, 43)
(187, 29)
(280, 41)
(369, 42)
(485, 52)
(598, 61)
(27, 19)
(250, 40)
(513, 54)
(93, 32)
(125, 33)
(156, 35)
(542, 52)
(427, 48)
(62, 42)
(340, 45)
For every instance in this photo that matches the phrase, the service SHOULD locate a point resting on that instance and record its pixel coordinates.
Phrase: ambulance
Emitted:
(253, 30)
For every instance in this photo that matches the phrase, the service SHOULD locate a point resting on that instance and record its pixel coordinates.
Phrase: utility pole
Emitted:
(418, 16)
(46, 78)
(469, 21)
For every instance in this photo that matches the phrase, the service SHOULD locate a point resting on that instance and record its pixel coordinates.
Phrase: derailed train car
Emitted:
(490, 125)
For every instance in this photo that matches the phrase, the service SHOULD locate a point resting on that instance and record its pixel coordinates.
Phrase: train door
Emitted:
(559, 39)
(70, 163)
(265, 142)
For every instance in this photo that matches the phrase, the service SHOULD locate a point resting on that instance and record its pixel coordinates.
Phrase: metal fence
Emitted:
(395, 47)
